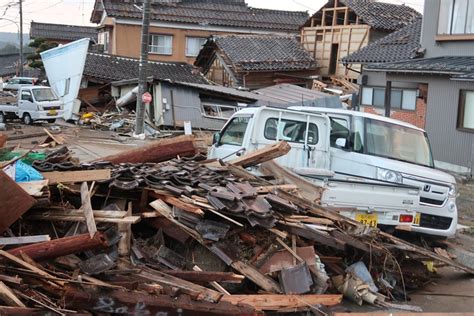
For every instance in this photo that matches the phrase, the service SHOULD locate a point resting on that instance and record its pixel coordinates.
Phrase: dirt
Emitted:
(465, 203)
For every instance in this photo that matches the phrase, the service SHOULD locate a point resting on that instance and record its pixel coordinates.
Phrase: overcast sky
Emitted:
(78, 12)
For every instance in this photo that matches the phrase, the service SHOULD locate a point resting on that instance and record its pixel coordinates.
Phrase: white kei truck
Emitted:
(32, 103)
(380, 168)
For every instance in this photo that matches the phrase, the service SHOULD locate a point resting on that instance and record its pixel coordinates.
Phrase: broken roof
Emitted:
(107, 68)
(205, 13)
(379, 15)
(257, 53)
(62, 32)
(403, 44)
(451, 65)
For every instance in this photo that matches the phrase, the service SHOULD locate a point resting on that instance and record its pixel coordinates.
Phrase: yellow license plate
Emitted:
(52, 112)
(417, 219)
(367, 219)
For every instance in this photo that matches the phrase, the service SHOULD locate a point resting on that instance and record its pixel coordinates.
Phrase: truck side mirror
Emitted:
(341, 142)
(216, 138)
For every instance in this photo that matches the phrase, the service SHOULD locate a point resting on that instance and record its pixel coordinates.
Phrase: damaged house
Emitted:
(178, 28)
(342, 27)
(256, 61)
(62, 33)
(439, 84)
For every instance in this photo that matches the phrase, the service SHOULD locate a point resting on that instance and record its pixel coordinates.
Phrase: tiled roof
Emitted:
(206, 12)
(258, 53)
(403, 44)
(464, 77)
(451, 65)
(62, 32)
(381, 15)
(108, 68)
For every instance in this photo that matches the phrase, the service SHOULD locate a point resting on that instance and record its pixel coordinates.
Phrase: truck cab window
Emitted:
(26, 96)
(234, 132)
(339, 129)
(290, 131)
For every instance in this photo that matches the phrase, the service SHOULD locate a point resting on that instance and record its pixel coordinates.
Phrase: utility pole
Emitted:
(21, 39)
(142, 73)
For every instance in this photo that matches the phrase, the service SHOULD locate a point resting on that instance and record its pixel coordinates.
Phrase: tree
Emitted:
(40, 45)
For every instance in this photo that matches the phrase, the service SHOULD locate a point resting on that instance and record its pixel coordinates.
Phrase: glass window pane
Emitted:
(409, 100)
(379, 97)
(290, 131)
(470, 18)
(367, 94)
(234, 132)
(161, 44)
(339, 129)
(459, 17)
(396, 99)
(194, 45)
(468, 120)
(444, 20)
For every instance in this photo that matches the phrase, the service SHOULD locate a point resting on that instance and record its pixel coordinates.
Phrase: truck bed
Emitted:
(7, 98)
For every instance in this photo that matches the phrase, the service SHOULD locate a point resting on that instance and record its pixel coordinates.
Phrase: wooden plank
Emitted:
(87, 209)
(266, 283)
(34, 188)
(125, 231)
(266, 153)
(178, 203)
(23, 240)
(214, 284)
(270, 302)
(55, 177)
(206, 276)
(58, 140)
(14, 201)
(47, 216)
(7, 295)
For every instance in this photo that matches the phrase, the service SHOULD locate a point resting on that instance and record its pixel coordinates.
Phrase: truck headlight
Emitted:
(452, 190)
(389, 175)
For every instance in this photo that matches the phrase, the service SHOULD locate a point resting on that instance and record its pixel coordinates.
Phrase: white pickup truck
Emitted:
(381, 167)
(31, 103)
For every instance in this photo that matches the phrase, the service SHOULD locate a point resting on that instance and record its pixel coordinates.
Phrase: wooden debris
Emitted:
(7, 295)
(23, 240)
(269, 302)
(34, 188)
(267, 153)
(14, 201)
(214, 284)
(87, 209)
(156, 151)
(55, 177)
(62, 246)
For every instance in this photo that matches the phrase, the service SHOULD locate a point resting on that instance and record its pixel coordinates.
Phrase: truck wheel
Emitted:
(51, 120)
(2, 117)
(27, 119)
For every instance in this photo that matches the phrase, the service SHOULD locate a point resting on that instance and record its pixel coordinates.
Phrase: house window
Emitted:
(456, 17)
(290, 131)
(194, 45)
(217, 111)
(466, 111)
(161, 44)
(404, 99)
(104, 41)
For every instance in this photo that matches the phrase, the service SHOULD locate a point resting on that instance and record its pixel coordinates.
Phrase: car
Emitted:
(17, 82)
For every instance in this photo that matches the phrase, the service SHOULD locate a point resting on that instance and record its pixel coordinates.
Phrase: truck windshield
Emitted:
(234, 132)
(44, 95)
(397, 142)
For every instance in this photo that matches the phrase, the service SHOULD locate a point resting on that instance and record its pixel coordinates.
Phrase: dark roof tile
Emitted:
(62, 32)
(104, 67)
(403, 44)
(260, 52)
(211, 12)
(455, 65)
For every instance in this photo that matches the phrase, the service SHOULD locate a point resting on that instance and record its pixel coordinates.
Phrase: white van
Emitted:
(370, 146)
(357, 148)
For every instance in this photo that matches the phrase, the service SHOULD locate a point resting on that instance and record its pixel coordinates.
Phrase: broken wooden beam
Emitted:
(272, 302)
(62, 246)
(206, 276)
(14, 201)
(55, 177)
(87, 209)
(157, 151)
(7, 295)
(266, 153)
(24, 240)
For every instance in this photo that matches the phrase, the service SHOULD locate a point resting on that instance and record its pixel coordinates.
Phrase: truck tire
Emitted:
(2, 117)
(51, 120)
(27, 119)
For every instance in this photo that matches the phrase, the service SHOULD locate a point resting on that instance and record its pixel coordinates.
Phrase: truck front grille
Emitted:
(431, 201)
(435, 221)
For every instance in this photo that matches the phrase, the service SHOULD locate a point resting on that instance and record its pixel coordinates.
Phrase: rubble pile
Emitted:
(187, 236)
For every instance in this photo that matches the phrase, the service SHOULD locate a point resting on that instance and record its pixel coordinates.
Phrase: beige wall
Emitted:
(127, 42)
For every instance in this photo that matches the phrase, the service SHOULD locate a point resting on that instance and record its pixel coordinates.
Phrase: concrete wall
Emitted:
(453, 46)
